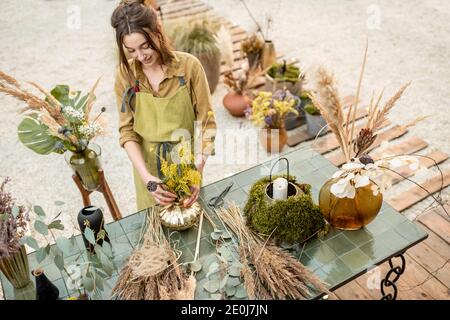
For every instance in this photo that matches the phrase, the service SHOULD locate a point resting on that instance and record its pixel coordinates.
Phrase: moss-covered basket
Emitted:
(293, 220)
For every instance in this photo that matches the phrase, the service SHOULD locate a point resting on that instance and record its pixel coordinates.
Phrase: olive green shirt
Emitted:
(185, 65)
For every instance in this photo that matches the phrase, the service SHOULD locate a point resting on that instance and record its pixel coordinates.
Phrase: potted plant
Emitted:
(239, 98)
(13, 225)
(86, 271)
(60, 123)
(314, 121)
(269, 111)
(252, 48)
(198, 37)
(284, 76)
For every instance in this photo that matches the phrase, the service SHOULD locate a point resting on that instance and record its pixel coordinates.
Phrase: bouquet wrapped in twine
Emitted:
(152, 271)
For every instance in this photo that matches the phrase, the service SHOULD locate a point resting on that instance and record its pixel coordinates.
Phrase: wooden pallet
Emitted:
(427, 275)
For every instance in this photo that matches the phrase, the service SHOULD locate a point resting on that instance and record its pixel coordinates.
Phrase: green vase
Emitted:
(16, 269)
(85, 165)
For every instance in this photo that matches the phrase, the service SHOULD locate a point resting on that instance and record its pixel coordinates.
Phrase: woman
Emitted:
(159, 92)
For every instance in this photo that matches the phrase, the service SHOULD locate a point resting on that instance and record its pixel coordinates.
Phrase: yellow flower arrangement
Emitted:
(181, 175)
(269, 110)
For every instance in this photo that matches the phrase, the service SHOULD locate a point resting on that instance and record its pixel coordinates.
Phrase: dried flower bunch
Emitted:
(268, 271)
(152, 271)
(58, 122)
(252, 45)
(181, 174)
(360, 168)
(269, 109)
(242, 80)
(13, 223)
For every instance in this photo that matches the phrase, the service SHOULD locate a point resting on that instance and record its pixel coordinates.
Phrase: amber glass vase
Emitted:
(86, 164)
(347, 213)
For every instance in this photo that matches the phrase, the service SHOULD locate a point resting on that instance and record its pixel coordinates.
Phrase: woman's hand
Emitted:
(161, 195)
(195, 191)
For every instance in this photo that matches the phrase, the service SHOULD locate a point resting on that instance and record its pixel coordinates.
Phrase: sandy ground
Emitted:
(42, 42)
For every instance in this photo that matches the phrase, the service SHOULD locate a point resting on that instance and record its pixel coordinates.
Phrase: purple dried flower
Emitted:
(268, 120)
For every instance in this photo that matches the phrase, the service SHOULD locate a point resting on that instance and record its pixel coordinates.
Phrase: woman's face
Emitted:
(138, 47)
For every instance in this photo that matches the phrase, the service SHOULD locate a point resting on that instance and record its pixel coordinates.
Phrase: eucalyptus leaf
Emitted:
(217, 230)
(230, 291)
(107, 249)
(15, 211)
(31, 242)
(99, 282)
(195, 266)
(41, 227)
(212, 268)
(89, 235)
(241, 293)
(107, 265)
(39, 211)
(233, 281)
(88, 283)
(56, 251)
(226, 253)
(211, 286)
(215, 236)
(223, 282)
(47, 248)
(59, 262)
(226, 235)
(41, 254)
(59, 203)
(216, 296)
(234, 271)
(56, 224)
(64, 244)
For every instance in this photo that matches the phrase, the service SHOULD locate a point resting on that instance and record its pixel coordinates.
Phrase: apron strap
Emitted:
(164, 148)
(128, 95)
(181, 80)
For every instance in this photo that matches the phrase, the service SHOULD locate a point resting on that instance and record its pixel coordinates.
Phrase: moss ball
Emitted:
(292, 220)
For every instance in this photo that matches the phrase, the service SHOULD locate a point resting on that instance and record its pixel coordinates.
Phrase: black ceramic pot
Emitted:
(92, 216)
(45, 289)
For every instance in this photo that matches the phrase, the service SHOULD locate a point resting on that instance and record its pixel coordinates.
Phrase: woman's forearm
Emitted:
(134, 152)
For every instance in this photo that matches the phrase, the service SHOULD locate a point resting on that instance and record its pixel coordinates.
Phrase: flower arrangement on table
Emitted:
(269, 109)
(182, 178)
(60, 122)
(353, 196)
(56, 123)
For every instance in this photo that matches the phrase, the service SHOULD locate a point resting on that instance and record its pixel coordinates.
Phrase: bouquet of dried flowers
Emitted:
(252, 48)
(13, 223)
(152, 271)
(269, 272)
(269, 109)
(360, 168)
(58, 122)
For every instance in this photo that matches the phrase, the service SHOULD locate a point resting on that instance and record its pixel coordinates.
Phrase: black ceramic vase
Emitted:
(45, 290)
(92, 217)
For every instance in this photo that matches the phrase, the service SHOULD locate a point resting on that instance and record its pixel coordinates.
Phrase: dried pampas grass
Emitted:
(269, 272)
(152, 271)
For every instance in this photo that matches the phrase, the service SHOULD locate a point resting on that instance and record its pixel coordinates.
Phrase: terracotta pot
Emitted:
(236, 103)
(347, 213)
(274, 140)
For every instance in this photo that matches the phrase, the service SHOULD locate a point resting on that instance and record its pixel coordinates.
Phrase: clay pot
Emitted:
(236, 103)
(274, 140)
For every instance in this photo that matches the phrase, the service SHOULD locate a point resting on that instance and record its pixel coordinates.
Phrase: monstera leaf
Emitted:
(62, 94)
(35, 136)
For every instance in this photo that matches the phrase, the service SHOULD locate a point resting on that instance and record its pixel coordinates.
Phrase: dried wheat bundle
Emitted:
(152, 271)
(269, 272)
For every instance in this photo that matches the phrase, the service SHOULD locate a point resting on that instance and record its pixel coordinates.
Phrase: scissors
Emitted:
(216, 202)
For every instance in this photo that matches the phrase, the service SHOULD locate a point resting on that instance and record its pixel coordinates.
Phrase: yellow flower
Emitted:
(210, 113)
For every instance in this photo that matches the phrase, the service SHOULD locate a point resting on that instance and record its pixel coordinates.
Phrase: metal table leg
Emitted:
(395, 272)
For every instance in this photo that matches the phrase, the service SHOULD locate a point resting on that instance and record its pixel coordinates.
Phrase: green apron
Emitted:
(155, 119)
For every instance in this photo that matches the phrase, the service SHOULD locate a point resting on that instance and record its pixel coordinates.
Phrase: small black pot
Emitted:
(45, 289)
(93, 217)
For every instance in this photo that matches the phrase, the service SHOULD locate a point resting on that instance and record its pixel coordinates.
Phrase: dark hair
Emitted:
(134, 16)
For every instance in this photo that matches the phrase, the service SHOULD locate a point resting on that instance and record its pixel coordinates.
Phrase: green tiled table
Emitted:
(338, 258)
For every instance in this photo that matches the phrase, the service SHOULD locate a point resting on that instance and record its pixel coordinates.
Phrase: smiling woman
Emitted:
(161, 94)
